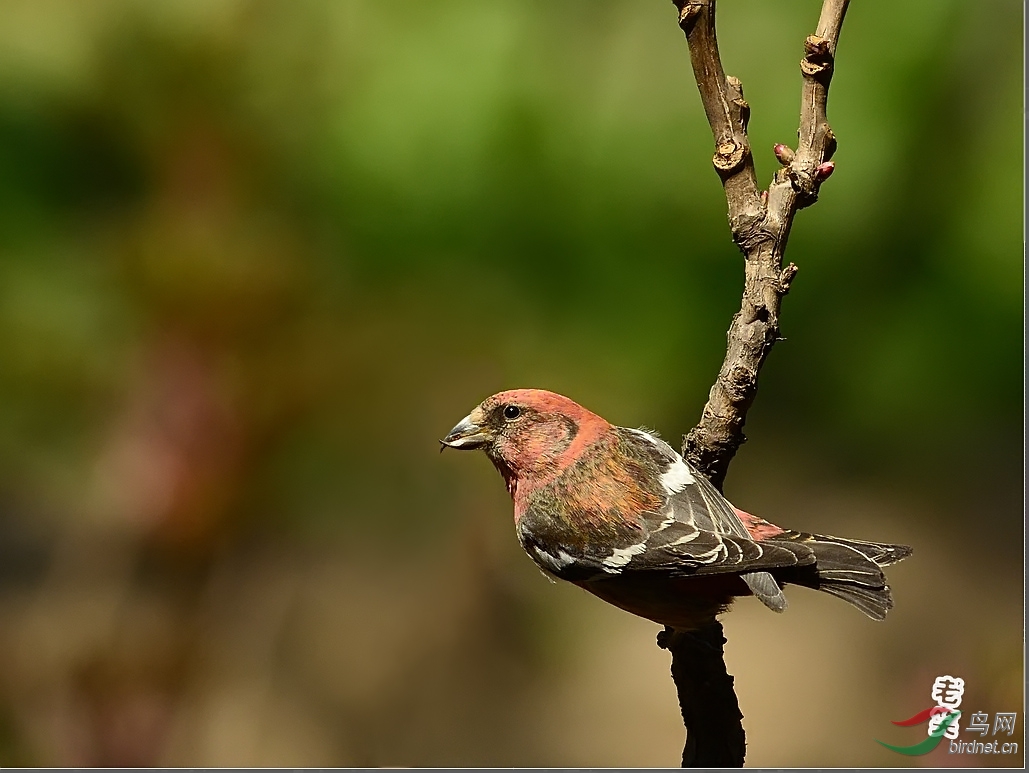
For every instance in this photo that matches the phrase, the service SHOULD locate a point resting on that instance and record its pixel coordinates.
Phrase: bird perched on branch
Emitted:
(619, 513)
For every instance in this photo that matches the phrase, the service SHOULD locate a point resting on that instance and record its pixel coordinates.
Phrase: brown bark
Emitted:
(707, 698)
(760, 222)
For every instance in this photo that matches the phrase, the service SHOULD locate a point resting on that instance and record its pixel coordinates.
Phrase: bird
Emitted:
(621, 514)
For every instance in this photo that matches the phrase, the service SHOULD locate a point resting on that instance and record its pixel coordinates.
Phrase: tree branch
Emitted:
(707, 698)
(760, 222)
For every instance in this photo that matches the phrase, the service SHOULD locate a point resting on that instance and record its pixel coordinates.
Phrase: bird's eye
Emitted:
(512, 412)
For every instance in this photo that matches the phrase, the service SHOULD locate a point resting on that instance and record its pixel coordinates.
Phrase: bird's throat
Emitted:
(507, 473)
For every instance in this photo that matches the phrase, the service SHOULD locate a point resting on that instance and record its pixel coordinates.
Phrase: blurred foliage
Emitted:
(258, 256)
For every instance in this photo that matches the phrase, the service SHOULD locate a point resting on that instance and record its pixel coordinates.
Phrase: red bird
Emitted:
(619, 513)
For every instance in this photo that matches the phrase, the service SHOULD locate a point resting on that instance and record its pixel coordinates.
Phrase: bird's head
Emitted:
(528, 434)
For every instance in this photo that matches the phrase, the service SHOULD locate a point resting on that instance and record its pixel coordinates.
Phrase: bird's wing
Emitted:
(686, 527)
(697, 531)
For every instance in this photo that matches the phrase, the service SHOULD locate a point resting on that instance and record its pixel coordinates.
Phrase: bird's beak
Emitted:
(467, 435)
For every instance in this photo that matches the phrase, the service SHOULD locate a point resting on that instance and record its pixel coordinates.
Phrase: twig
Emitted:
(760, 222)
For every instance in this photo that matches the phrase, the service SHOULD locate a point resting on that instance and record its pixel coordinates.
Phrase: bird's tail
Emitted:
(847, 568)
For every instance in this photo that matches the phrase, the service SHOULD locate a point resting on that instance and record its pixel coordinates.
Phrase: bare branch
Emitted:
(707, 700)
(760, 222)
(727, 111)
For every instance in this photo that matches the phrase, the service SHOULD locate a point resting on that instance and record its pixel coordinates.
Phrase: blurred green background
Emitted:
(258, 256)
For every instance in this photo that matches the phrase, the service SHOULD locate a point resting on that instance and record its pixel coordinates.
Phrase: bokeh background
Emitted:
(256, 257)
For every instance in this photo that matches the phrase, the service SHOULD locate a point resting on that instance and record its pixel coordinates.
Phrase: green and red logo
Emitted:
(926, 745)
(947, 692)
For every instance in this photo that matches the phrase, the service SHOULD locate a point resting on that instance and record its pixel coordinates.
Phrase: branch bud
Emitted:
(783, 153)
(823, 171)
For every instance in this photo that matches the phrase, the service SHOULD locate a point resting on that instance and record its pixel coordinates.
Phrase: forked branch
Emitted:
(760, 222)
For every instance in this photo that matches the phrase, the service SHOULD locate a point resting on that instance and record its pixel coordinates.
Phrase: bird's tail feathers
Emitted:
(879, 553)
(764, 586)
(849, 569)
(874, 602)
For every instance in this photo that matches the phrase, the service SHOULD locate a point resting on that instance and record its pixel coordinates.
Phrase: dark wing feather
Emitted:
(688, 528)
(698, 532)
